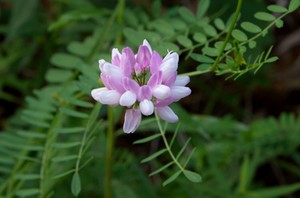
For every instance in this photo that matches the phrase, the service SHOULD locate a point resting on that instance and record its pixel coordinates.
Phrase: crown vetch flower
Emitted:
(143, 83)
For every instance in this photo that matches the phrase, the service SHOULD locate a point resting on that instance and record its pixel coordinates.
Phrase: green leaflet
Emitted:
(154, 155)
(192, 176)
(171, 178)
(76, 184)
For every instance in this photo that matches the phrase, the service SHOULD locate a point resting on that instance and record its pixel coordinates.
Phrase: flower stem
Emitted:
(162, 132)
(110, 139)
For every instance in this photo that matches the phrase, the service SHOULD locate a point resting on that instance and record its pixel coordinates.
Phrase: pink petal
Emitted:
(161, 92)
(130, 85)
(167, 114)
(132, 120)
(146, 107)
(155, 62)
(115, 57)
(170, 80)
(146, 43)
(116, 84)
(127, 99)
(182, 80)
(144, 93)
(112, 70)
(155, 79)
(130, 55)
(143, 58)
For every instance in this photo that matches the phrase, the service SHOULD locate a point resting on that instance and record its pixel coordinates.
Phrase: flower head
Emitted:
(143, 83)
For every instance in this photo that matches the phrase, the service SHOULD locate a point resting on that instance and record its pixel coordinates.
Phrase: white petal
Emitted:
(146, 43)
(128, 99)
(161, 92)
(146, 107)
(167, 114)
(101, 63)
(182, 80)
(112, 70)
(97, 92)
(179, 92)
(109, 97)
(115, 52)
(132, 120)
(169, 65)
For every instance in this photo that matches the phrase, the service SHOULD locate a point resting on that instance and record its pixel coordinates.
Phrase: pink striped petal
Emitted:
(132, 120)
(128, 99)
(167, 114)
(146, 107)
(161, 92)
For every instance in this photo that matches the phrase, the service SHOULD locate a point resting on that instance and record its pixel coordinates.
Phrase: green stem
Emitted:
(213, 67)
(162, 132)
(110, 138)
(228, 35)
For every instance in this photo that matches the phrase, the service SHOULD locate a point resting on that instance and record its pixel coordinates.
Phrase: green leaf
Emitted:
(201, 58)
(199, 37)
(210, 31)
(219, 24)
(277, 8)
(156, 8)
(252, 44)
(35, 122)
(65, 61)
(172, 178)
(294, 4)
(183, 149)
(147, 139)
(203, 67)
(154, 155)
(37, 114)
(28, 176)
(219, 45)
(28, 192)
(65, 145)
(279, 23)
(244, 175)
(264, 16)
(192, 176)
(202, 7)
(178, 24)
(184, 41)
(58, 75)
(162, 168)
(78, 102)
(31, 134)
(70, 130)
(76, 184)
(272, 59)
(278, 191)
(63, 174)
(186, 14)
(130, 18)
(239, 35)
(73, 113)
(64, 158)
(210, 51)
(162, 27)
(133, 36)
(250, 27)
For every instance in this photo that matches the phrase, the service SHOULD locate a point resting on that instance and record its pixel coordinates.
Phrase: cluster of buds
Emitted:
(143, 83)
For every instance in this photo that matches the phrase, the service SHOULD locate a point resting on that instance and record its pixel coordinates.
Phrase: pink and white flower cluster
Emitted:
(144, 83)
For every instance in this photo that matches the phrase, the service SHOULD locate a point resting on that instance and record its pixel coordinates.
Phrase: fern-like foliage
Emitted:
(175, 158)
